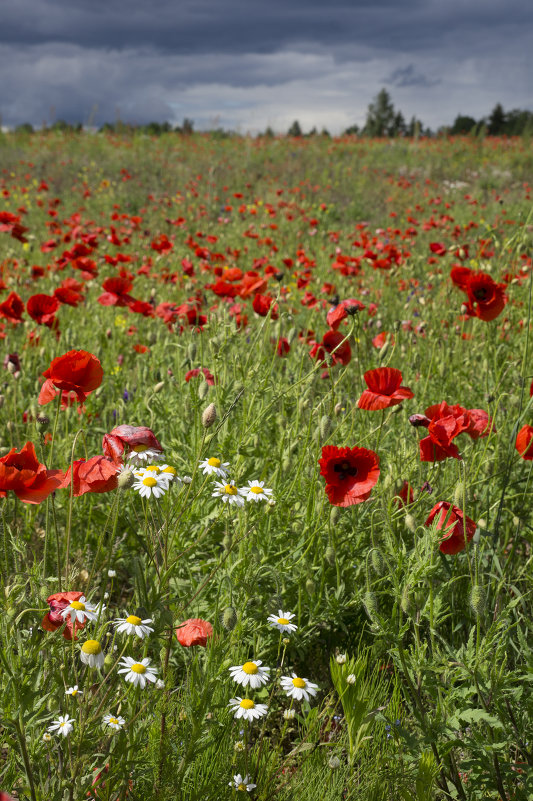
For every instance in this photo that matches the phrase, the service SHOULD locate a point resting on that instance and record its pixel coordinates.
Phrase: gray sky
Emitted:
(244, 64)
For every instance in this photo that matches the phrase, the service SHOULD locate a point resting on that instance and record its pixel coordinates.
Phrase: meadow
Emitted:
(265, 468)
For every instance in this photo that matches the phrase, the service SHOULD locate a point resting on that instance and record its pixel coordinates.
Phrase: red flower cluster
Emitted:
(456, 526)
(125, 439)
(384, 389)
(444, 423)
(486, 298)
(350, 474)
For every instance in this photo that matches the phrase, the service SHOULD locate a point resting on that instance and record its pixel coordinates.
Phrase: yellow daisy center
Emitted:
(91, 647)
(149, 481)
(77, 605)
(113, 720)
(170, 469)
(134, 620)
(241, 786)
(300, 683)
(283, 621)
(138, 668)
(257, 490)
(74, 692)
(154, 468)
(230, 490)
(247, 703)
(250, 668)
(213, 462)
(140, 448)
(62, 724)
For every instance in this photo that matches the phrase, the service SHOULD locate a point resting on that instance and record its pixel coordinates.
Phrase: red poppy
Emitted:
(209, 377)
(97, 474)
(350, 474)
(22, 473)
(486, 298)
(67, 296)
(126, 439)
(282, 347)
(116, 292)
(53, 620)
(76, 371)
(455, 526)
(384, 389)
(438, 248)
(444, 424)
(331, 343)
(342, 310)
(42, 309)
(12, 308)
(523, 444)
(405, 496)
(262, 305)
(480, 424)
(194, 631)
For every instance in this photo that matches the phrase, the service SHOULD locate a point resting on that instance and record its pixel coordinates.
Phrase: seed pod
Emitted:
(410, 523)
(370, 603)
(477, 599)
(229, 618)
(329, 555)
(203, 389)
(209, 415)
(460, 497)
(42, 421)
(325, 427)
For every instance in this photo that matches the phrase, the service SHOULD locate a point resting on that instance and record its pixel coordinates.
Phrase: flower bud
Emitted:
(340, 659)
(108, 662)
(191, 351)
(371, 604)
(405, 601)
(460, 497)
(310, 585)
(203, 389)
(477, 599)
(229, 618)
(125, 479)
(329, 555)
(377, 561)
(334, 762)
(325, 427)
(158, 387)
(209, 414)
(410, 523)
(350, 679)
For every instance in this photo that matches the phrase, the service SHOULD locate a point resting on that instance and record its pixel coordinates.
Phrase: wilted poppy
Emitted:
(97, 474)
(523, 444)
(126, 439)
(455, 525)
(350, 474)
(384, 389)
(22, 473)
(76, 371)
(194, 631)
(53, 620)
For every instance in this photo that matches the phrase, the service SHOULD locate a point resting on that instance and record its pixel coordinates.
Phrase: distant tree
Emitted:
(269, 133)
(400, 128)
(312, 132)
(497, 121)
(381, 117)
(415, 128)
(462, 125)
(352, 130)
(25, 128)
(325, 133)
(295, 129)
(186, 128)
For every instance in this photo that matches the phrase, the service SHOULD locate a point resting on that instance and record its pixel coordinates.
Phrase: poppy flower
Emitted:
(486, 298)
(124, 439)
(194, 631)
(76, 371)
(480, 425)
(331, 343)
(116, 292)
(455, 526)
(12, 308)
(350, 474)
(262, 304)
(384, 389)
(405, 496)
(209, 377)
(22, 473)
(341, 311)
(444, 424)
(53, 619)
(97, 474)
(523, 443)
(42, 309)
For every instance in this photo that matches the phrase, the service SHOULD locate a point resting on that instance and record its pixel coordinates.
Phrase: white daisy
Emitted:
(133, 625)
(141, 453)
(63, 725)
(297, 688)
(214, 467)
(228, 492)
(73, 691)
(138, 673)
(256, 491)
(250, 674)
(151, 484)
(47, 737)
(282, 621)
(170, 472)
(91, 654)
(245, 708)
(243, 784)
(114, 722)
(81, 611)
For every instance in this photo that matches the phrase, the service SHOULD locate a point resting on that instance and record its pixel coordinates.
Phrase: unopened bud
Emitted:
(291, 336)
(477, 599)
(191, 351)
(377, 561)
(108, 662)
(203, 389)
(460, 498)
(229, 618)
(334, 762)
(329, 555)
(410, 523)
(125, 479)
(84, 575)
(158, 387)
(310, 585)
(371, 604)
(227, 542)
(325, 427)
(335, 515)
(209, 414)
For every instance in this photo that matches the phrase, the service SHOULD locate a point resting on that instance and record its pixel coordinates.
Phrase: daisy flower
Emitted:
(245, 708)
(114, 722)
(250, 674)
(256, 491)
(297, 688)
(282, 622)
(133, 625)
(228, 492)
(91, 654)
(63, 725)
(138, 455)
(73, 691)
(150, 483)
(81, 611)
(214, 467)
(243, 784)
(138, 673)
(170, 472)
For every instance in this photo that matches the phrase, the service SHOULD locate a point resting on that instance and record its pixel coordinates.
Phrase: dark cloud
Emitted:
(409, 76)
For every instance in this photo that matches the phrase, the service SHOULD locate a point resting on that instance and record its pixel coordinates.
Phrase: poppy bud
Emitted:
(371, 604)
(209, 414)
(482, 523)
(405, 601)
(460, 497)
(84, 576)
(418, 420)
(125, 479)
(158, 387)
(286, 464)
(335, 515)
(334, 762)
(191, 351)
(291, 336)
(108, 662)
(203, 389)
(377, 561)
(325, 427)
(477, 599)
(382, 351)
(310, 585)
(227, 542)
(410, 523)
(229, 618)
(329, 555)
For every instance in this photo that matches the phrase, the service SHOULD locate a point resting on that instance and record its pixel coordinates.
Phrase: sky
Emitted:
(245, 65)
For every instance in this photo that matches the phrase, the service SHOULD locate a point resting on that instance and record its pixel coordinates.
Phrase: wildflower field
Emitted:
(265, 468)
